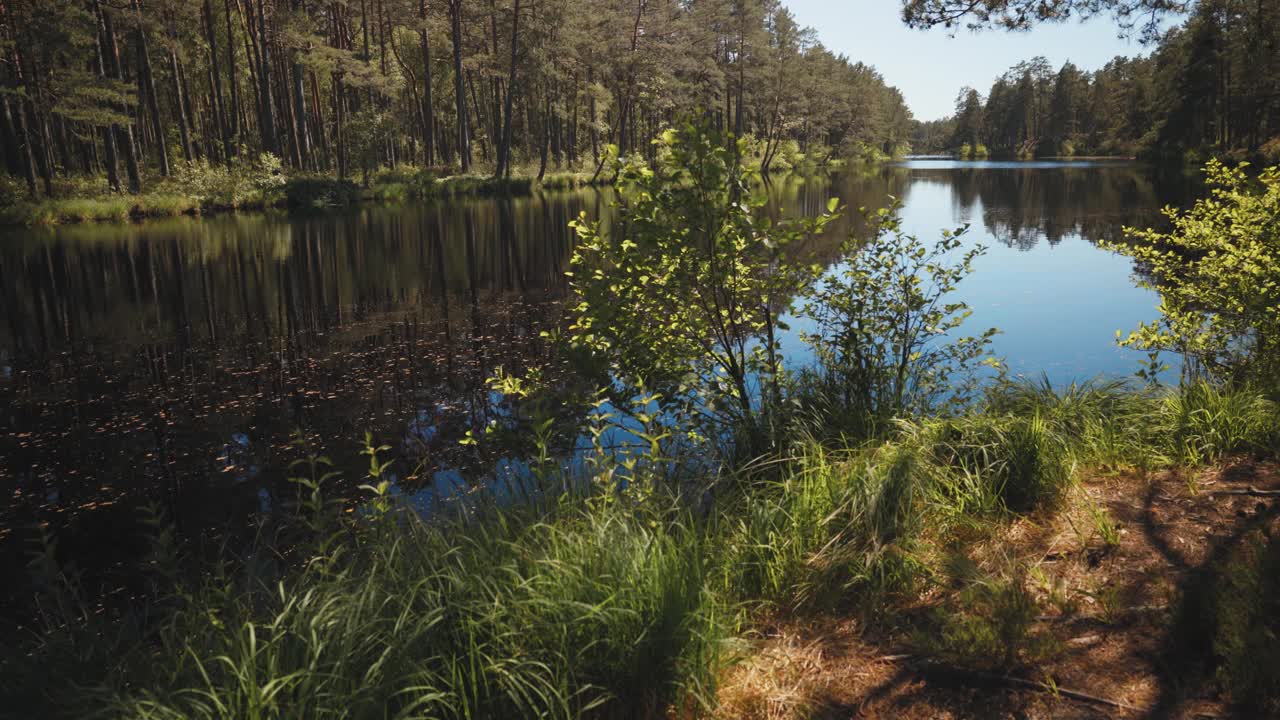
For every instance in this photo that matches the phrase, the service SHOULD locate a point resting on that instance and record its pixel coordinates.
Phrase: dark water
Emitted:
(172, 362)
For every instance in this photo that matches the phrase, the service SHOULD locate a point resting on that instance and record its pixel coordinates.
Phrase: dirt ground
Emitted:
(1122, 618)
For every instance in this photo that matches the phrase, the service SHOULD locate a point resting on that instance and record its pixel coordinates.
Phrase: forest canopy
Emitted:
(127, 90)
(1208, 87)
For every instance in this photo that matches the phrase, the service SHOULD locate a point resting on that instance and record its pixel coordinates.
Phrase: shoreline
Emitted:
(297, 194)
(308, 193)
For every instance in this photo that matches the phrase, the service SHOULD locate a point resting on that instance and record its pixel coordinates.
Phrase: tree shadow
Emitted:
(1190, 659)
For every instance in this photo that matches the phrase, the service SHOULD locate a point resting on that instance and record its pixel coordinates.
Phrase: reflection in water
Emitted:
(1022, 204)
(172, 362)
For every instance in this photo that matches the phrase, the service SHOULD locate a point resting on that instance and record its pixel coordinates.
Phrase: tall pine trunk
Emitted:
(233, 79)
(428, 108)
(504, 150)
(147, 86)
(267, 121)
(459, 85)
(215, 75)
(300, 106)
(112, 64)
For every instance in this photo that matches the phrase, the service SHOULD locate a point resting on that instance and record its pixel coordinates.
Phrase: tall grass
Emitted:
(1203, 422)
(601, 610)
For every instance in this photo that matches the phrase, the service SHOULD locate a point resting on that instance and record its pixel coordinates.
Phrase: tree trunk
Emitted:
(504, 150)
(459, 85)
(215, 75)
(338, 135)
(9, 137)
(147, 87)
(108, 131)
(180, 103)
(233, 79)
(428, 108)
(112, 66)
(324, 160)
(595, 135)
(270, 141)
(28, 157)
(546, 139)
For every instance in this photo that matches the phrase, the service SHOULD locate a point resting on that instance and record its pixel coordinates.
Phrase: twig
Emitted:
(1018, 682)
(1251, 492)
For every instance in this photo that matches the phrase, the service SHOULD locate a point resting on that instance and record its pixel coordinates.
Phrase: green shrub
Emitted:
(248, 183)
(111, 209)
(1218, 275)
(564, 180)
(390, 192)
(316, 192)
(888, 301)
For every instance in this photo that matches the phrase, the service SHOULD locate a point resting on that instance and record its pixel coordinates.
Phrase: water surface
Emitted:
(172, 362)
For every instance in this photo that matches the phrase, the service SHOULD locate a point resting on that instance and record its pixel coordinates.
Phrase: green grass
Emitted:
(203, 188)
(1204, 422)
(599, 610)
(164, 206)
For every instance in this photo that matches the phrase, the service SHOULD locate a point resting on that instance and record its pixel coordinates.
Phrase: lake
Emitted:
(172, 362)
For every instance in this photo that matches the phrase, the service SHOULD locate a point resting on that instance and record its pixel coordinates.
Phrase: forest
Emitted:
(122, 95)
(1209, 87)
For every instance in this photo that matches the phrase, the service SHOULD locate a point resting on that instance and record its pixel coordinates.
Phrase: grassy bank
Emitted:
(607, 604)
(205, 190)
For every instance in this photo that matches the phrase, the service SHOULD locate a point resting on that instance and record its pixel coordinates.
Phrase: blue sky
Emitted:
(930, 66)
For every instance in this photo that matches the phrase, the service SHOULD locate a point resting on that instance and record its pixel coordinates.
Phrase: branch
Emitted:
(1251, 492)
(962, 675)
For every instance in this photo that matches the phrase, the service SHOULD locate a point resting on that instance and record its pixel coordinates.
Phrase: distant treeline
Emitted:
(126, 92)
(1210, 86)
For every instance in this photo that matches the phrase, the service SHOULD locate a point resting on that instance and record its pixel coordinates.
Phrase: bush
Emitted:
(1218, 275)
(316, 192)
(564, 181)
(698, 252)
(390, 191)
(248, 183)
(888, 302)
(115, 209)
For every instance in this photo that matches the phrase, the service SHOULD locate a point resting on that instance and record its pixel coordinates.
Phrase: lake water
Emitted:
(171, 362)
